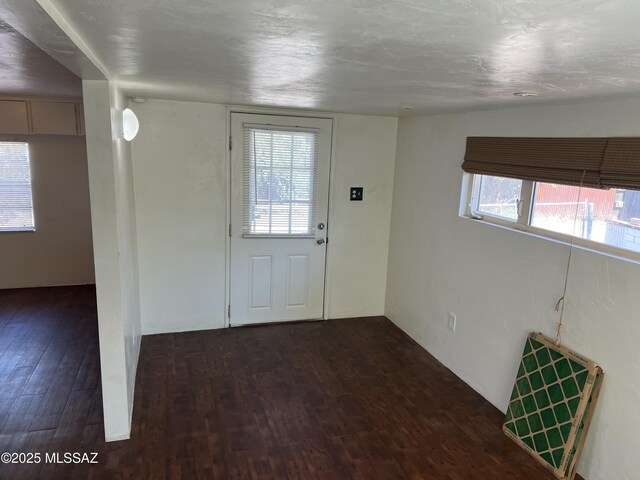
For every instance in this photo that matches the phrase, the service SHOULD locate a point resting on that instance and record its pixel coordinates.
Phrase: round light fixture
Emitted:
(525, 94)
(130, 124)
(407, 107)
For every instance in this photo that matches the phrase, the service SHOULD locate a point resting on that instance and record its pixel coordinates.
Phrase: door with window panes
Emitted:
(279, 203)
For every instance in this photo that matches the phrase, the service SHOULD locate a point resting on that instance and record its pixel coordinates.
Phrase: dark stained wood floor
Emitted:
(50, 395)
(342, 399)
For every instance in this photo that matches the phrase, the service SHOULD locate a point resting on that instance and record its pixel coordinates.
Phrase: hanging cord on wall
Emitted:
(560, 302)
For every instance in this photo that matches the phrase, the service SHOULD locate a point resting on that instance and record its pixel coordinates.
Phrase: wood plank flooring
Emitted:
(50, 395)
(342, 399)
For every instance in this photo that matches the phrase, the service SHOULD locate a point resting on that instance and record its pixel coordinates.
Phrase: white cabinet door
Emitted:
(13, 117)
(57, 118)
(279, 205)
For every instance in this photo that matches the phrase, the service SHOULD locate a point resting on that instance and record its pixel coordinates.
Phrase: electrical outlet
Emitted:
(452, 322)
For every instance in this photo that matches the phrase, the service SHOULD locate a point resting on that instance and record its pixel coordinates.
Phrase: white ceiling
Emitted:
(365, 56)
(26, 70)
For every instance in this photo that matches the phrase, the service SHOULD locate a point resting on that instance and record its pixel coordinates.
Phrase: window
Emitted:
(499, 196)
(16, 205)
(591, 215)
(279, 176)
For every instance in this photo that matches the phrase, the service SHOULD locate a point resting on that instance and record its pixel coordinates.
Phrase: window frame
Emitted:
(521, 209)
(29, 229)
(522, 224)
(311, 233)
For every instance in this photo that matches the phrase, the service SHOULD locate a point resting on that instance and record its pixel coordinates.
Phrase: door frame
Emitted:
(230, 109)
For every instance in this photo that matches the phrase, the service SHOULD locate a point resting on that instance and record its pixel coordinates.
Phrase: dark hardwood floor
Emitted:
(50, 395)
(342, 399)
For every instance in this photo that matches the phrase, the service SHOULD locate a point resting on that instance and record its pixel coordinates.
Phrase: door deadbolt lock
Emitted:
(321, 226)
(320, 241)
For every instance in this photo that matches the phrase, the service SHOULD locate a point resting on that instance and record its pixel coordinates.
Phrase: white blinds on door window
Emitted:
(16, 208)
(279, 180)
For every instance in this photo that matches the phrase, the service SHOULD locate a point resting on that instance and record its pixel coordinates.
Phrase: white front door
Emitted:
(279, 203)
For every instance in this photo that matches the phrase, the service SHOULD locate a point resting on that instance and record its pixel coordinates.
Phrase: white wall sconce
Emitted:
(130, 124)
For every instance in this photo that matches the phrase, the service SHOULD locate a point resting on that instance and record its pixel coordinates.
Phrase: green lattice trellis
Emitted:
(552, 404)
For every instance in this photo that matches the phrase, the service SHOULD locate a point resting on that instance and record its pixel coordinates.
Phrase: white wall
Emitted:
(503, 284)
(60, 251)
(358, 233)
(180, 193)
(115, 253)
(128, 245)
(180, 188)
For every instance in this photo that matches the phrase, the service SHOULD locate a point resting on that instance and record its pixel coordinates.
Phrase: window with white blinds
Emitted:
(16, 206)
(279, 180)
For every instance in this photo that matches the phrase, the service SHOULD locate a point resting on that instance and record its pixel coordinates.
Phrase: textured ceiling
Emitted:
(25, 70)
(365, 56)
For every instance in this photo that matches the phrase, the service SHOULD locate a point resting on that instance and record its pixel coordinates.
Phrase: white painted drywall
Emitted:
(364, 156)
(60, 251)
(503, 284)
(128, 244)
(113, 218)
(359, 56)
(180, 189)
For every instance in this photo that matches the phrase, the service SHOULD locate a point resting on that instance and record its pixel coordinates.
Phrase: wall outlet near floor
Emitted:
(452, 322)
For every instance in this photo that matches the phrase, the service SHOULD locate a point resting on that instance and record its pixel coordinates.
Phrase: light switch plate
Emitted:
(356, 194)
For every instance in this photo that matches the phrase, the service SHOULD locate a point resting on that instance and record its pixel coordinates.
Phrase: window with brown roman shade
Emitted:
(570, 161)
(621, 164)
(584, 190)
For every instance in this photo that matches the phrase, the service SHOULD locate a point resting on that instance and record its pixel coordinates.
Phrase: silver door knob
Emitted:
(321, 226)
(320, 241)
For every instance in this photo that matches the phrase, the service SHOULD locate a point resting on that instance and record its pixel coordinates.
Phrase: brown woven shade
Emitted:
(621, 164)
(569, 161)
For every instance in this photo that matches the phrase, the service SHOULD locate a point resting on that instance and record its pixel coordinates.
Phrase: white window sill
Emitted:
(17, 230)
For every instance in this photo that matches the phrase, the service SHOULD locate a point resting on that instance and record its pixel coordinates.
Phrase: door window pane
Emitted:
(279, 181)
